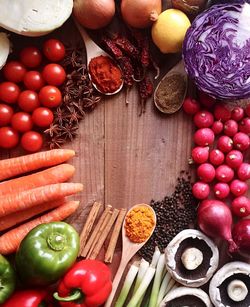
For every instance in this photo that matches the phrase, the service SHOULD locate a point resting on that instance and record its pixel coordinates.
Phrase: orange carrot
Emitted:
(10, 241)
(23, 164)
(20, 201)
(56, 174)
(24, 215)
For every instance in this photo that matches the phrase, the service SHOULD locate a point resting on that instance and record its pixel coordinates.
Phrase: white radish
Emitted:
(4, 48)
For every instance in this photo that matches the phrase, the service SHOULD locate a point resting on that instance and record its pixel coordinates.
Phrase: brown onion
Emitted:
(140, 13)
(94, 14)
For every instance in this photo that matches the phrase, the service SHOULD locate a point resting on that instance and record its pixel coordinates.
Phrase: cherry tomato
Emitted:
(31, 57)
(22, 122)
(54, 50)
(32, 141)
(54, 74)
(14, 71)
(6, 113)
(9, 137)
(9, 92)
(50, 96)
(42, 117)
(28, 101)
(33, 80)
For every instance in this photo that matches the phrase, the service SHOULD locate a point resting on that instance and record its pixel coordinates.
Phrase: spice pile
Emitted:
(174, 214)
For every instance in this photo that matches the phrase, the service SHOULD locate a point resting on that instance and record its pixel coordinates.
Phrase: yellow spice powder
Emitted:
(139, 223)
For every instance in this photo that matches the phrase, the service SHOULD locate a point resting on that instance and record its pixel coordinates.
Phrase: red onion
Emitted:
(241, 236)
(215, 220)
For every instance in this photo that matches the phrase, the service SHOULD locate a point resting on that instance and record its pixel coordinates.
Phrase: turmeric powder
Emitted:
(139, 223)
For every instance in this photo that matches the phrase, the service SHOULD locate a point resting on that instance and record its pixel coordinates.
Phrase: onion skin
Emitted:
(140, 13)
(94, 14)
(241, 236)
(215, 220)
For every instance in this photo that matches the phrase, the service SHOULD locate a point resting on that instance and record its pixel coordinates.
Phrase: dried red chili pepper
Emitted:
(145, 91)
(111, 46)
(127, 70)
(125, 45)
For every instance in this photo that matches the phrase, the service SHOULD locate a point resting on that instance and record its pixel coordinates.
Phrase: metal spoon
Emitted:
(92, 51)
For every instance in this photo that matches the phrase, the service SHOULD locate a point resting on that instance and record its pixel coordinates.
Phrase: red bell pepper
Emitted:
(28, 298)
(86, 284)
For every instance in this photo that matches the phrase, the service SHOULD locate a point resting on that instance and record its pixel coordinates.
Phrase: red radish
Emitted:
(243, 171)
(224, 173)
(191, 106)
(206, 172)
(203, 119)
(230, 127)
(204, 137)
(222, 113)
(244, 125)
(241, 141)
(200, 154)
(238, 187)
(201, 190)
(206, 100)
(217, 127)
(216, 157)
(237, 113)
(215, 220)
(221, 190)
(247, 110)
(225, 143)
(241, 236)
(241, 206)
(234, 158)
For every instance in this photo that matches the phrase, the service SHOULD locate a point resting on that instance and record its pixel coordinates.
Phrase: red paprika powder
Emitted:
(105, 74)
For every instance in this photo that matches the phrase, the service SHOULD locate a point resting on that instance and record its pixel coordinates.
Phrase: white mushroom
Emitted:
(237, 290)
(4, 48)
(34, 17)
(192, 258)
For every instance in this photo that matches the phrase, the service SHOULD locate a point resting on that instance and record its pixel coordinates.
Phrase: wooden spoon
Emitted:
(92, 51)
(169, 98)
(129, 249)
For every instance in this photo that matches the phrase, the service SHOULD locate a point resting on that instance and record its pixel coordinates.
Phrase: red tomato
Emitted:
(9, 137)
(14, 71)
(28, 101)
(42, 117)
(32, 141)
(33, 80)
(6, 113)
(21, 121)
(54, 50)
(54, 74)
(31, 57)
(9, 92)
(50, 96)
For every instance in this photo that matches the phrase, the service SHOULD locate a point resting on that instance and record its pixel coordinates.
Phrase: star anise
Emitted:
(54, 129)
(69, 131)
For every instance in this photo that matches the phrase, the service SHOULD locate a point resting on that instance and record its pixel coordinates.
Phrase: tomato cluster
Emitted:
(28, 93)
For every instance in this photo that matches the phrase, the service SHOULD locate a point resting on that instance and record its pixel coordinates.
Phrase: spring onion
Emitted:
(163, 288)
(170, 285)
(142, 270)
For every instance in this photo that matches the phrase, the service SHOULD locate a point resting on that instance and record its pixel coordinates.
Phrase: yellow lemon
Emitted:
(169, 30)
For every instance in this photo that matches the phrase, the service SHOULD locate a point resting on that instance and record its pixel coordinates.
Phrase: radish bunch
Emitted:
(221, 141)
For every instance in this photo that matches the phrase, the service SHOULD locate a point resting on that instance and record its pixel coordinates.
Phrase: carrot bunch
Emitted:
(23, 198)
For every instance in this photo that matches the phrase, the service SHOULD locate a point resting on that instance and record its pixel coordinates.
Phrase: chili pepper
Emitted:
(28, 298)
(86, 284)
(145, 91)
(7, 279)
(47, 252)
(127, 70)
(111, 46)
(125, 45)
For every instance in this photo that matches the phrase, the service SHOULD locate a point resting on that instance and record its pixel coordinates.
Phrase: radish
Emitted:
(225, 143)
(222, 113)
(243, 171)
(206, 172)
(204, 137)
(203, 119)
(221, 190)
(244, 125)
(238, 187)
(215, 220)
(224, 173)
(200, 154)
(237, 114)
(230, 127)
(234, 158)
(241, 141)
(216, 157)
(206, 100)
(217, 127)
(241, 206)
(201, 190)
(191, 106)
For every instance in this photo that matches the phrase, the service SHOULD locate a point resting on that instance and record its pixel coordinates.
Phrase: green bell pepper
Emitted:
(7, 279)
(46, 253)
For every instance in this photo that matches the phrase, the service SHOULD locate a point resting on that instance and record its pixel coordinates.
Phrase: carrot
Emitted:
(56, 174)
(10, 241)
(20, 201)
(21, 216)
(23, 164)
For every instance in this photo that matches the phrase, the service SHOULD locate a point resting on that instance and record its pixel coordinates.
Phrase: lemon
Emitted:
(169, 30)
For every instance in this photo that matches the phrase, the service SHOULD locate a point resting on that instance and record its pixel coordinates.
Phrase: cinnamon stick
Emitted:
(88, 225)
(115, 235)
(94, 233)
(104, 234)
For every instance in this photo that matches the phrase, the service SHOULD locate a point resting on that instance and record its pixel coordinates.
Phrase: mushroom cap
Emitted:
(239, 270)
(186, 293)
(174, 250)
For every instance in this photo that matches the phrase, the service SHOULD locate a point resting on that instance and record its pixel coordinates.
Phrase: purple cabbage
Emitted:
(216, 51)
